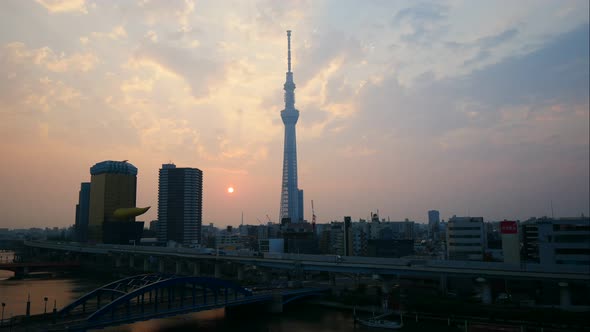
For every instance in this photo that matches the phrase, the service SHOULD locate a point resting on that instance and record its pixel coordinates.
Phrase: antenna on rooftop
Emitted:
(289, 50)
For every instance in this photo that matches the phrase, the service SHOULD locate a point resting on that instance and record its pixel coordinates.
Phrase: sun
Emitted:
(230, 190)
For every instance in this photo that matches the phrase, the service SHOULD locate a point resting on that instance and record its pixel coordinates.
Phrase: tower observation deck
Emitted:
(291, 196)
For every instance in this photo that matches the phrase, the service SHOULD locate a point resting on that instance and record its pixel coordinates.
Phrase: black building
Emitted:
(180, 204)
(82, 213)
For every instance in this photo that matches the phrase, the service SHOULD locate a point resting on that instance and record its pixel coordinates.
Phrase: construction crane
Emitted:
(312, 216)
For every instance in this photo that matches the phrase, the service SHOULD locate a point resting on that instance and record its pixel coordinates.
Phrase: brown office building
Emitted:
(113, 186)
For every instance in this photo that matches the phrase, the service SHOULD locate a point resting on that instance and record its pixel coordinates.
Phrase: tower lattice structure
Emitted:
(290, 194)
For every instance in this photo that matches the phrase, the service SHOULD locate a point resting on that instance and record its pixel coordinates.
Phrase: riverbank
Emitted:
(486, 322)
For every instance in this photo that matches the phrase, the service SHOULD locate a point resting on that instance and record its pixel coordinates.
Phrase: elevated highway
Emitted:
(336, 264)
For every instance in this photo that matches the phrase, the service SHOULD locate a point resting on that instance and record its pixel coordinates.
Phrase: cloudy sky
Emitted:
(468, 107)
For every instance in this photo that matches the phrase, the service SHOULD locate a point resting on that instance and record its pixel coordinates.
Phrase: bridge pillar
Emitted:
(146, 264)
(118, 261)
(486, 290)
(161, 265)
(276, 304)
(240, 272)
(217, 270)
(565, 299)
(28, 314)
(443, 284)
(196, 269)
(178, 267)
(332, 279)
(131, 261)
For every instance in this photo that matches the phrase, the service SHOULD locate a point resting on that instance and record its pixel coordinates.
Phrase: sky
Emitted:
(474, 108)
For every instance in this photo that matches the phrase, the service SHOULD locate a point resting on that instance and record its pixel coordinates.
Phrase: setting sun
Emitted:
(230, 190)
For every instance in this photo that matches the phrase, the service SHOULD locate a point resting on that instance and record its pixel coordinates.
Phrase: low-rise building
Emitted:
(564, 241)
(465, 238)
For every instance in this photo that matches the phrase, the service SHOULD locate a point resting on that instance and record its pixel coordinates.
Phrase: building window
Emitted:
(570, 227)
(572, 251)
(464, 228)
(572, 238)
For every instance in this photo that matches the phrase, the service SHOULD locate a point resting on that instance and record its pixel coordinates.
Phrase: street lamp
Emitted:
(45, 310)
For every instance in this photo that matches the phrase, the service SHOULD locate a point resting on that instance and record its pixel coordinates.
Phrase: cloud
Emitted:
(62, 6)
(17, 53)
(50, 94)
(201, 74)
(272, 14)
(116, 33)
(323, 50)
(557, 70)
(421, 23)
(178, 11)
(486, 44)
(137, 84)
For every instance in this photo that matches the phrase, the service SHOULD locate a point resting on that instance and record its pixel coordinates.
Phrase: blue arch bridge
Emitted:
(149, 296)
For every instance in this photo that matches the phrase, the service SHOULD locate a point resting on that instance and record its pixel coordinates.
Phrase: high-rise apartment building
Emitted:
(291, 195)
(113, 185)
(465, 238)
(82, 210)
(180, 204)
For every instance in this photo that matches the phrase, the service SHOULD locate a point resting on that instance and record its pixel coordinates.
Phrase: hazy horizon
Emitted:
(478, 108)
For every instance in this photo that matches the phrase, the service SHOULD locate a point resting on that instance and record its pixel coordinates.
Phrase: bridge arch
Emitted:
(151, 295)
(115, 289)
(205, 284)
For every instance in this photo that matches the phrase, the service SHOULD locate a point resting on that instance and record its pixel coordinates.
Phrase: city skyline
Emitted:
(408, 107)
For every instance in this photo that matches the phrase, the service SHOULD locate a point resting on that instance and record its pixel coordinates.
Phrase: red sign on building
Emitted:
(508, 227)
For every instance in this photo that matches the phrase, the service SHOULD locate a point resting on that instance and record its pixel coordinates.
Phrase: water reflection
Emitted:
(59, 291)
(298, 318)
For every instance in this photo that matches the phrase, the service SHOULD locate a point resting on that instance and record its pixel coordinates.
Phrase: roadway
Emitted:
(348, 264)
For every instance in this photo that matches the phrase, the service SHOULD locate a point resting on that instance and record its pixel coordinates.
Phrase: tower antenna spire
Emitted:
(289, 49)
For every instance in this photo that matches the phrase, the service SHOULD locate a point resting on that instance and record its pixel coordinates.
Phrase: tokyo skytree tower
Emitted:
(291, 196)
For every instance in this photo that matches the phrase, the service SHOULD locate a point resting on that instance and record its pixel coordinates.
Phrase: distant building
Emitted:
(301, 205)
(390, 248)
(510, 242)
(433, 225)
(493, 237)
(180, 204)
(336, 240)
(300, 239)
(347, 236)
(530, 241)
(360, 237)
(271, 245)
(82, 213)
(399, 230)
(564, 241)
(465, 238)
(113, 186)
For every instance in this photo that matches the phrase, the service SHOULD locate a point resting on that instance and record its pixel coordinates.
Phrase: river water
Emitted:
(61, 291)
